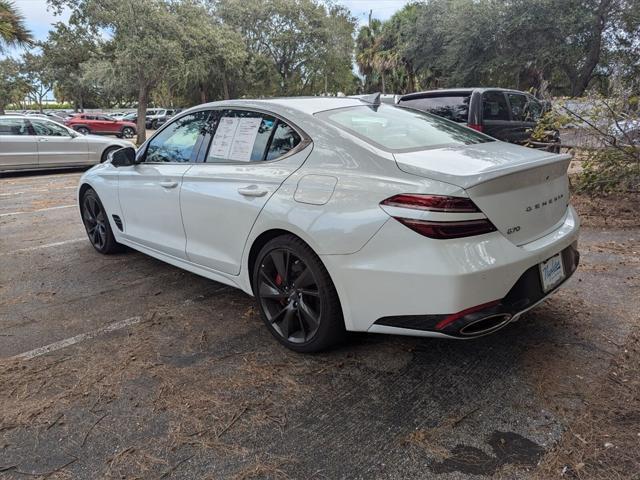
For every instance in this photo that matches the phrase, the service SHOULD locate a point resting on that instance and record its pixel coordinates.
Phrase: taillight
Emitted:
(442, 230)
(432, 203)
(475, 126)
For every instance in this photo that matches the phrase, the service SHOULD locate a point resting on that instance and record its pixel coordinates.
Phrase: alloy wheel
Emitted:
(127, 132)
(94, 221)
(289, 295)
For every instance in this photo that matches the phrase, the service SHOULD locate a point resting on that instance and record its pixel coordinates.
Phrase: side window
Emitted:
(89, 117)
(533, 110)
(176, 142)
(241, 136)
(518, 106)
(13, 126)
(284, 140)
(494, 106)
(49, 129)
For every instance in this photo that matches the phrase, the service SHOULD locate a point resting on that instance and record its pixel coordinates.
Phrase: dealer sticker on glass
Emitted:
(551, 272)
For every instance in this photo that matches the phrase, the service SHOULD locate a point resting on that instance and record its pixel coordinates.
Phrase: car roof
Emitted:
(308, 105)
(458, 91)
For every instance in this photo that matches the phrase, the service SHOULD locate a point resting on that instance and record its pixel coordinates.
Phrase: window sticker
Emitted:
(222, 140)
(244, 138)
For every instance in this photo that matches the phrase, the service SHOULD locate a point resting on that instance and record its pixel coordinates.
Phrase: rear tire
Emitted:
(96, 224)
(128, 132)
(296, 297)
(83, 130)
(154, 125)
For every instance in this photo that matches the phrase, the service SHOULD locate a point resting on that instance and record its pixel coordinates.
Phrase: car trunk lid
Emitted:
(524, 192)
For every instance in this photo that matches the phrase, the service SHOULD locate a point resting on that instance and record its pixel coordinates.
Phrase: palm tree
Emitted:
(13, 31)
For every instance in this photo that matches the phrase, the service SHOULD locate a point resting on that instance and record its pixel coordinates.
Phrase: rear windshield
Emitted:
(399, 129)
(454, 107)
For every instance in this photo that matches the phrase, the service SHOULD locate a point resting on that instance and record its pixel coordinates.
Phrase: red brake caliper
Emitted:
(278, 283)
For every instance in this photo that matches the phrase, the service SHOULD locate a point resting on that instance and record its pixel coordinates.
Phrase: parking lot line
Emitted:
(46, 245)
(52, 347)
(36, 211)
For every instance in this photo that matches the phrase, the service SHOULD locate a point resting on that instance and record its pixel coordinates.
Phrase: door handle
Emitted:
(168, 184)
(43, 139)
(252, 191)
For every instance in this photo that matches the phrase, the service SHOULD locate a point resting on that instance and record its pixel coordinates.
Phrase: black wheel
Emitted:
(83, 130)
(128, 132)
(154, 125)
(296, 296)
(107, 151)
(96, 224)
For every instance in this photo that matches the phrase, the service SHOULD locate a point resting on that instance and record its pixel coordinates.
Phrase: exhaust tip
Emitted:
(485, 325)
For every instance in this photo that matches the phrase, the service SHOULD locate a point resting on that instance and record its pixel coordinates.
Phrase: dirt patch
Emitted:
(617, 210)
(604, 442)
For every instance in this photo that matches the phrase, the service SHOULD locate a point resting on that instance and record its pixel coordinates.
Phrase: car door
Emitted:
(57, 146)
(496, 120)
(243, 163)
(104, 124)
(149, 192)
(18, 145)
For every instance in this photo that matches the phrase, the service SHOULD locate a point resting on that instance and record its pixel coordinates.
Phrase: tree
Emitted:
(65, 51)
(214, 53)
(144, 43)
(37, 77)
(12, 86)
(13, 31)
(287, 34)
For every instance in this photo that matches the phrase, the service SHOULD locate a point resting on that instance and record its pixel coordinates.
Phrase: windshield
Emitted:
(399, 129)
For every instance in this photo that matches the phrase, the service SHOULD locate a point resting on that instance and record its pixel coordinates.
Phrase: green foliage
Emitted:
(609, 170)
(13, 31)
(12, 85)
(522, 44)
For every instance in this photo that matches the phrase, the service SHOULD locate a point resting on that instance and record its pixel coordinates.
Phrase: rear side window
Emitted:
(454, 107)
(13, 126)
(399, 129)
(494, 106)
(285, 139)
(241, 136)
(177, 142)
(524, 108)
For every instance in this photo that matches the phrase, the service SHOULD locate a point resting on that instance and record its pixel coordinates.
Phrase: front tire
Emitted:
(295, 294)
(107, 151)
(154, 125)
(83, 130)
(96, 224)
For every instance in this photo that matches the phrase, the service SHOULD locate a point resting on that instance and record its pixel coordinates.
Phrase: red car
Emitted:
(101, 124)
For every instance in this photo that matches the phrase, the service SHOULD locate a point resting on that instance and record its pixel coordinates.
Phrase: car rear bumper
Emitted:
(403, 283)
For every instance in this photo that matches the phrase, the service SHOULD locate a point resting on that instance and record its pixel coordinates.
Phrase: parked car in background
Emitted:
(28, 142)
(508, 115)
(50, 116)
(343, 214)
(118, 115)
(157, 117)
(101, 124)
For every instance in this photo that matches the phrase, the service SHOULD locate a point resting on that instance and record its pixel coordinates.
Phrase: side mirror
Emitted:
(124, 157)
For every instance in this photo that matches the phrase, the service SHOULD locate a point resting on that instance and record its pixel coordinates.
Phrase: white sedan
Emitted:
(343, 214)
(29, 142)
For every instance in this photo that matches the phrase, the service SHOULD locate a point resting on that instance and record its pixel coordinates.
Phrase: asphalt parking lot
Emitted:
(124, 367)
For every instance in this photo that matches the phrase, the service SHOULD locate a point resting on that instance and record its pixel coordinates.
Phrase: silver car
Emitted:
(30, 143)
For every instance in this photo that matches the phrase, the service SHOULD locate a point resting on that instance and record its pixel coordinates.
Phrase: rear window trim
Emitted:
(322, 114)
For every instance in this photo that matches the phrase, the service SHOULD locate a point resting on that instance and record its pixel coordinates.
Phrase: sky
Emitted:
(39, 19)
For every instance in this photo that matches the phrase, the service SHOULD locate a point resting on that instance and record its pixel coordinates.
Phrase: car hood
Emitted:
(469, 165)
(99, 139)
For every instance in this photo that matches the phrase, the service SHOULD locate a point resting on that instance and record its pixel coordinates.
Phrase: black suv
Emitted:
(508, 115)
